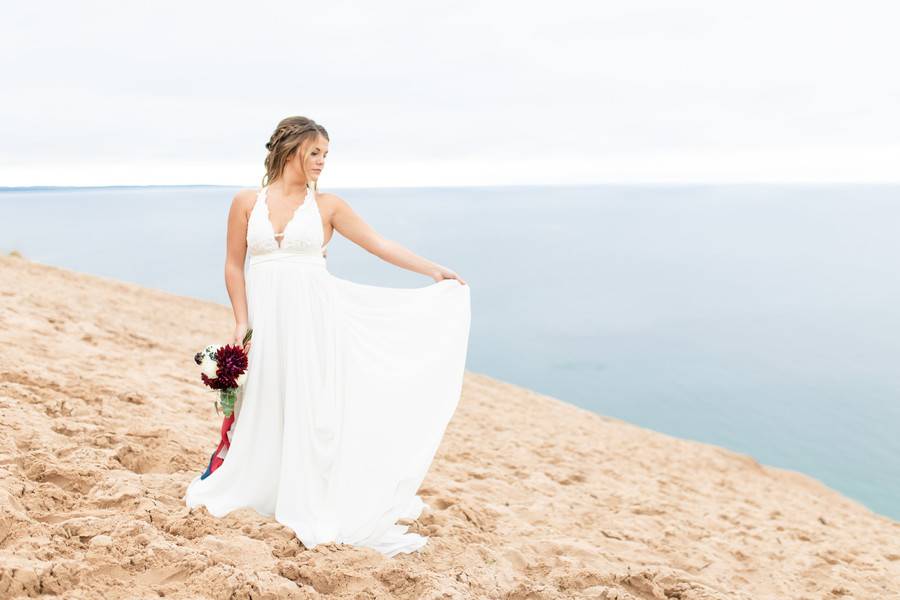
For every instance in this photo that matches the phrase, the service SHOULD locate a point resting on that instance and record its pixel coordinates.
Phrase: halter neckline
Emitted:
(265, 194)
(279, 237)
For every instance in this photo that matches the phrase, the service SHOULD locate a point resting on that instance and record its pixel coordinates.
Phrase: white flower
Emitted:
(241, 378)
(208, 365)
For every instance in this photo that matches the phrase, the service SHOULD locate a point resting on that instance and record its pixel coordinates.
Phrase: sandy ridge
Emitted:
(103, 422)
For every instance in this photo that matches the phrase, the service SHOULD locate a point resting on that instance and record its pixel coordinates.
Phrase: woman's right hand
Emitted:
(240, 330)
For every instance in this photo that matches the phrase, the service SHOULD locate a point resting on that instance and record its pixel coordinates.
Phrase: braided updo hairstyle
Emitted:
(289, 137)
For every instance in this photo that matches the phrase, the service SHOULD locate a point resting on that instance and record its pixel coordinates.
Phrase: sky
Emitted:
(452, 93)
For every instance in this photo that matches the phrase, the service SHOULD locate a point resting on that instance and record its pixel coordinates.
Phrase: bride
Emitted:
(349, 387)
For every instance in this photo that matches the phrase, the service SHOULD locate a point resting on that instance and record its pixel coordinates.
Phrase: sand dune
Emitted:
(103, 422)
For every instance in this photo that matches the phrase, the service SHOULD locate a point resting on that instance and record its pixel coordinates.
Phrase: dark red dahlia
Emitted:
(231, 361)
(218, 383)
(215, 383)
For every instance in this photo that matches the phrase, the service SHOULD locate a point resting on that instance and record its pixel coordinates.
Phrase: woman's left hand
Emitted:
(442, 273)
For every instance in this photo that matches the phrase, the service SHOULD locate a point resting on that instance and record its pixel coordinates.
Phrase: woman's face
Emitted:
(315, 160)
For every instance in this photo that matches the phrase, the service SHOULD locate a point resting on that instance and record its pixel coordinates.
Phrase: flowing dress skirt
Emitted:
(349, 390)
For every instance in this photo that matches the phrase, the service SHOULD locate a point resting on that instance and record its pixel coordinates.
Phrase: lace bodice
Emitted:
(303, 234)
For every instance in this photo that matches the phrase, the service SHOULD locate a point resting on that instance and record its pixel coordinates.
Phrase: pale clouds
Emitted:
(452, 93)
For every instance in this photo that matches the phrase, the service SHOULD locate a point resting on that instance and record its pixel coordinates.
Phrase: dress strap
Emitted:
(258, 198)
(315, 194)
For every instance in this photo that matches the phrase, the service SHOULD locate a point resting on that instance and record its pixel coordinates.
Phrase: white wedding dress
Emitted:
(349, 389)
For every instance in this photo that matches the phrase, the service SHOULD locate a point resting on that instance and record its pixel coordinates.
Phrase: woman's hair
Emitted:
(289, 137)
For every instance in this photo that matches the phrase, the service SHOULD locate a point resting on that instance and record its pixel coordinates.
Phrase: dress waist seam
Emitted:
(288, 257)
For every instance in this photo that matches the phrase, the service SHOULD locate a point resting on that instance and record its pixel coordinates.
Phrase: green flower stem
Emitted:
(227, 399)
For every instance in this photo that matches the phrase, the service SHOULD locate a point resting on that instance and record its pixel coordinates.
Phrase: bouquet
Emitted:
(224, 369)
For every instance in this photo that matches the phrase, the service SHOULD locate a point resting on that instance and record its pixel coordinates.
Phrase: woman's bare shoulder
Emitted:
(244, 199)
(331, 201)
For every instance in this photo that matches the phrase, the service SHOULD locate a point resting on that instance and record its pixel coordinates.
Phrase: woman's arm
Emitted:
(235, 253)
(349, 224)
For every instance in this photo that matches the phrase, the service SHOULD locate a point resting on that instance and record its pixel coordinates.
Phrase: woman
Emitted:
(349, 387)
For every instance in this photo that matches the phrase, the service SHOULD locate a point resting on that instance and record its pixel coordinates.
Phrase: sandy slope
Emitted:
(103, 422)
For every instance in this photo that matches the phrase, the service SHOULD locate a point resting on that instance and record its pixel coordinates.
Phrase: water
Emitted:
(761, 318)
